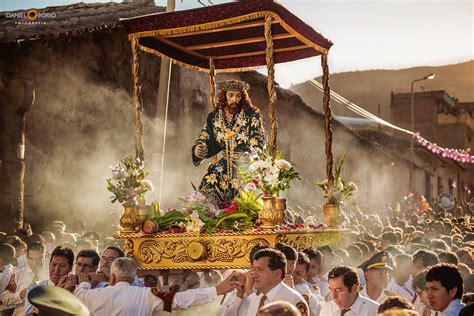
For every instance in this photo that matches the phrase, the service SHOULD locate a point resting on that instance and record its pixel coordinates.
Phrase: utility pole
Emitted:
(162, 105)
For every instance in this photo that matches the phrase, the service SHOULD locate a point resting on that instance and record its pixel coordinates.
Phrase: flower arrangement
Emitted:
(128, 183)
(269, 174)
(342, 189)
(199, 214)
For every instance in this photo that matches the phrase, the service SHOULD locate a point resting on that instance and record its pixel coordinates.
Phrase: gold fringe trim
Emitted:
(221, 23)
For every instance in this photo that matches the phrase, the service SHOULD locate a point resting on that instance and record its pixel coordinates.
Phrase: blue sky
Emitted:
(370, 34)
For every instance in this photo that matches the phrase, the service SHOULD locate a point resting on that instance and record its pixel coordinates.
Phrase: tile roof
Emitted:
(69, 19)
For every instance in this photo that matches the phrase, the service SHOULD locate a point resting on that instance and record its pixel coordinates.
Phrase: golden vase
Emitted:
(129, 219)
(142, 212)
(279, 204)
(270, 216)
(332, 215)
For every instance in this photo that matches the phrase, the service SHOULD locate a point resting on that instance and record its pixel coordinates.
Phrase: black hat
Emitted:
(7, 253)
(378, 261)
(91, 236)
(55, 301)
(420, 242)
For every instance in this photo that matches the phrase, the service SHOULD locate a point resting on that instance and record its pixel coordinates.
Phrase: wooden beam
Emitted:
(278, 50)
(179, 47)
(220, 29)
(237, 42)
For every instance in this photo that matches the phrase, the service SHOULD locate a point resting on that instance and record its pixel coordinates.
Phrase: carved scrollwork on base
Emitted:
(128, 248)
(189, 251)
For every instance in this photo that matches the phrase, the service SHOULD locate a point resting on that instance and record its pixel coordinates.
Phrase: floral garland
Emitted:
(460, 155)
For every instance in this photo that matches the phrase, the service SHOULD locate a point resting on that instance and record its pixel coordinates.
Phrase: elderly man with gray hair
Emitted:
(121, 298)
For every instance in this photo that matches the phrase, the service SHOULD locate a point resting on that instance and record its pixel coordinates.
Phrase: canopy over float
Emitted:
(230, 37)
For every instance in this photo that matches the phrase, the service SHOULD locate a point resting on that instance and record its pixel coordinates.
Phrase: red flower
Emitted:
(255, 181)
(229, 210)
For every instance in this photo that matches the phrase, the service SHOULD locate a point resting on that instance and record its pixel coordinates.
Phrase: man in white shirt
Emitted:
(314, 301)
(34, 271)
(7, 265)
(60, 265)
(312, 279)
(268, 273)
(378, 287)
(445, 289)
(402, 272)
(121, 298)
(346, 300)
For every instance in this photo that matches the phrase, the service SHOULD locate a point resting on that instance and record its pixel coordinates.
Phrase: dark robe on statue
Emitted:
(234, 140)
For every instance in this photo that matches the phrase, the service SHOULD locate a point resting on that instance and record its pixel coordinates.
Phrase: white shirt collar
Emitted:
(273, 292)
(122, 284)
(453, 308)
(356, 307)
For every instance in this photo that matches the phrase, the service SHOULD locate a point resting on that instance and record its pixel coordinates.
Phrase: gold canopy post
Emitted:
(212, 84)
(271, 84)
(212, 93)
(137, 99)
(327, 127)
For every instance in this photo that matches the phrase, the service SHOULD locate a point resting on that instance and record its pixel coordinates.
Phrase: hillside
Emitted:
(370, 88)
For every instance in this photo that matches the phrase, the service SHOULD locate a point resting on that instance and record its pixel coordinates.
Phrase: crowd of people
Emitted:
(395, 262)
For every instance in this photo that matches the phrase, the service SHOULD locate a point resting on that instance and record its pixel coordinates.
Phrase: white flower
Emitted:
(250, 187)
(354, 187)
(195, 224)
(118, 175)
(147, 184)
(282, 164)
(271, 178)
(262, 165)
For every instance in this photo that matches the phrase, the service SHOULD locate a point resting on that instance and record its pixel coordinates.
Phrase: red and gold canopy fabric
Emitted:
(232, 34)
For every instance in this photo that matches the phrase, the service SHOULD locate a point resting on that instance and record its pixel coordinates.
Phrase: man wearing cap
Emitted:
(346, 299)
(121, 298)
(54, 301)
(376, 272)
(233, 128)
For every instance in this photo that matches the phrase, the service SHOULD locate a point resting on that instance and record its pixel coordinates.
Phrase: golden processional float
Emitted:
(230, 37)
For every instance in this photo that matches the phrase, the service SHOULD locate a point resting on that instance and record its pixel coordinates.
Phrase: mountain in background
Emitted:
(369, 88)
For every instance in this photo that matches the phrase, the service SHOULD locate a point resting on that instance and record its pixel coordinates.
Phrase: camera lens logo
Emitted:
(32, 15)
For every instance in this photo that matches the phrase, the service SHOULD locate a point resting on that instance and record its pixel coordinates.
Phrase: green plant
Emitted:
(342, 189)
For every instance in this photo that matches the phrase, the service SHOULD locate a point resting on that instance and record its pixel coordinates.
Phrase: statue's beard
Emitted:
(233, 107)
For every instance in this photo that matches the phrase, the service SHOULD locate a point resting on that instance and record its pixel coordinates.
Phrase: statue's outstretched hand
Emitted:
(200, 151)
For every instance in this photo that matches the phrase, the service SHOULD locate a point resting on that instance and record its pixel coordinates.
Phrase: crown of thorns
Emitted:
(233, 85)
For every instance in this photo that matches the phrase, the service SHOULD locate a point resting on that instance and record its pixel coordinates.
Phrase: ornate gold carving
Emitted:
(128, 248)
(217, 251)
(196, 251)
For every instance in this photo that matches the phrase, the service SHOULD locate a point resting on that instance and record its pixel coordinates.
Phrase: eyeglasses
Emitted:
(108, 259)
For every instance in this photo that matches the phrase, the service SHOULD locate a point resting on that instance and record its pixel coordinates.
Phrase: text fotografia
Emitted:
(32, 16)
